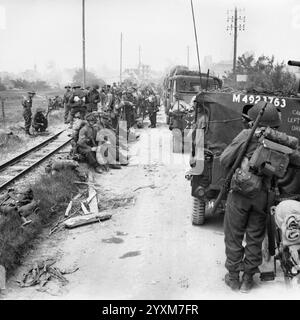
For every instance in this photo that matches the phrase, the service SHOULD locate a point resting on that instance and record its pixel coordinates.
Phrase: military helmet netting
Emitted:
(91, 117)
(271, 116)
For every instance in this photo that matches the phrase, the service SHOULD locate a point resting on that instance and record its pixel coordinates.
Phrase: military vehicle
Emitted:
(180, 86)
(223, 112)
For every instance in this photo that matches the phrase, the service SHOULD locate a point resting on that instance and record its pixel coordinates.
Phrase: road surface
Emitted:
(149, 249)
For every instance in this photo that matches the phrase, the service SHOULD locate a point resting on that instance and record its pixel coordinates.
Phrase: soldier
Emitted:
(245, 214)
(93, 98)
(87, 145)
(66, 103)
(40, 122)
(152, 109)
(27, 114)
(77, 103)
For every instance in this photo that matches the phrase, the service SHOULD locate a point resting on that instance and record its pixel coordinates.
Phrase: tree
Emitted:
(263, 74)
(90, 77)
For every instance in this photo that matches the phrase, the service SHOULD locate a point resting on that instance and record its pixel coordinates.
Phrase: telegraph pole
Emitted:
(235, 23)
(121, 53)
(197, 47)
(234, 44)
(188, 57)
(83, 42)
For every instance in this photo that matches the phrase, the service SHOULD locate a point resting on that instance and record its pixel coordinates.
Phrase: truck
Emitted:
(223, 115)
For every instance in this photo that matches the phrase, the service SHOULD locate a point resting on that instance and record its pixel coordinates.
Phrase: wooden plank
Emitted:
(93, 201)
(84, 220)
(69, 207)
(84, 209)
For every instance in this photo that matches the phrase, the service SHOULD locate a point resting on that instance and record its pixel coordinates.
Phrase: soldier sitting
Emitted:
(40, 122)
(87, 145)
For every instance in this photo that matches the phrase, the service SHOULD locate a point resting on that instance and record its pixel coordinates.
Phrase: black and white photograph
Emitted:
(149, 150)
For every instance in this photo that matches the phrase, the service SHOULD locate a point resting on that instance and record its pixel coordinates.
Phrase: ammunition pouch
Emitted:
(246, 183)
(270, 159)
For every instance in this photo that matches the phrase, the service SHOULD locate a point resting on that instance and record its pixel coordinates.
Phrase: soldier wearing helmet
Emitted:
(245, 215)
(87, 144)
(93, 98)
(77, 102)
(66, 103)
(27, 114)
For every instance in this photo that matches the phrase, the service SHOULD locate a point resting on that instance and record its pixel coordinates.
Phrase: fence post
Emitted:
(3, 112)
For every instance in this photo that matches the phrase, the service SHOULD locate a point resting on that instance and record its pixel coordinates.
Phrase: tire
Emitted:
(198, 216)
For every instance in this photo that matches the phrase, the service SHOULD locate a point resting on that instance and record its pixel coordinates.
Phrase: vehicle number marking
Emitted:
(251, 99)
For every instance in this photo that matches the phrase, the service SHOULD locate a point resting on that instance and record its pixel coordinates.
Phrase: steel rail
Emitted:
(24, 154)
(36, 163)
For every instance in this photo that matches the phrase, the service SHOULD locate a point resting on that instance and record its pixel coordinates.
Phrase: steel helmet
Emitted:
(91, 117)
(271, 116)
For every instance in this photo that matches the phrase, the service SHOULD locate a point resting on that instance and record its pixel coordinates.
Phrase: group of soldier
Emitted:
(39, 121)
(95, 116)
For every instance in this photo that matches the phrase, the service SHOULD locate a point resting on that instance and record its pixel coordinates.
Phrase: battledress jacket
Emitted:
(232, 150)
(87, 137)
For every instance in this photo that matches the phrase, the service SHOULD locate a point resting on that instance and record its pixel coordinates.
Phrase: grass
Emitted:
(13, 107)
(54, 193)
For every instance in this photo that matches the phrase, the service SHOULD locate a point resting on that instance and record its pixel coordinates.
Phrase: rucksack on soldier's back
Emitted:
(272, 156)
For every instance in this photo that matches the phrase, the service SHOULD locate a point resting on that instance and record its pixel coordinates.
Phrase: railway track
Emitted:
(22, 164)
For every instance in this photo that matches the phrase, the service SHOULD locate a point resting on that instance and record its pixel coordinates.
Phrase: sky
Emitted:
(43, 31)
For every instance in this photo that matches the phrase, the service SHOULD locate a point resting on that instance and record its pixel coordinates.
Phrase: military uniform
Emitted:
(152, 110)
(243, 215)
(93, 98)
(77, 103)
(246, 214)
(40, 122)
(66, 103)
(86, 140)
(27, 113)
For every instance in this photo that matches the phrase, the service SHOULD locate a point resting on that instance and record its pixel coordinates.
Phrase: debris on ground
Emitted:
(107, 202)
(42, 272)
(151, 186)
(7, 137)
(86, 219)
(21, 202)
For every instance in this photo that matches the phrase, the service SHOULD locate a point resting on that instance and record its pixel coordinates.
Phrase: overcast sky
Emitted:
(38, 31)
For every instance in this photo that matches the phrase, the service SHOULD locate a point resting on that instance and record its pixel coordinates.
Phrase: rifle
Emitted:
(237, 162)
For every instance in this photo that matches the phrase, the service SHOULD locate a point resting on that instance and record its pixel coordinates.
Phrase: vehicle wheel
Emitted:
(198, 216)
(177, 144)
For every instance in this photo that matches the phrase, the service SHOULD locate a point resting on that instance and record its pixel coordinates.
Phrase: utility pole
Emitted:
(83, 42)
(197, 47)
(235, 23)
(121, 53)
(188, 57)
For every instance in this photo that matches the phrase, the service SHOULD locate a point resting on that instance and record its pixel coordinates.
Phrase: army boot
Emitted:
(115, 166)
(98, 170)
(232, 279)
(247, 283)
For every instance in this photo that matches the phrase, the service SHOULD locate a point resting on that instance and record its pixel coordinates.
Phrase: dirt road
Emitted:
(149, 249)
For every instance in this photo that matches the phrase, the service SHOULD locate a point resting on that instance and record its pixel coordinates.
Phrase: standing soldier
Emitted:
(152, 109)
(93, 98)
(66, 103)
(77, 103)
(245, 212)
(27, 114)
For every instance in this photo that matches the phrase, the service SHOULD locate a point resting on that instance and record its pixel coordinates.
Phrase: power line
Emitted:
(235, 23)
